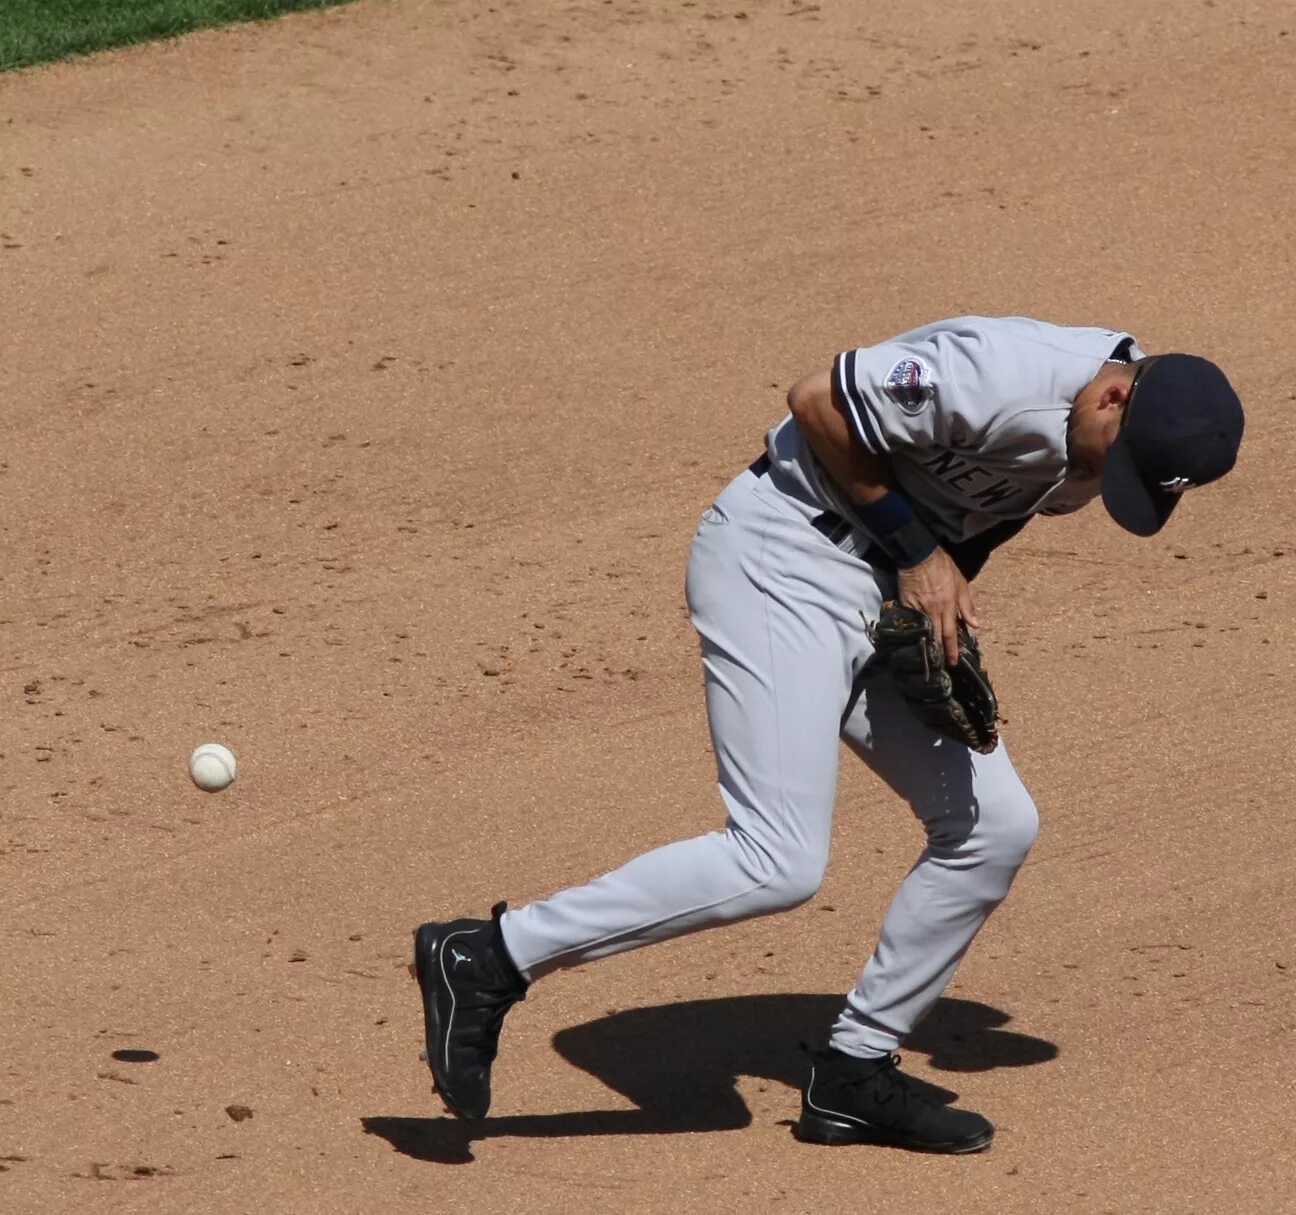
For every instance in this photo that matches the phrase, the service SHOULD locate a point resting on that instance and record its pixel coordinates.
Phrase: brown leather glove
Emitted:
(957, 702)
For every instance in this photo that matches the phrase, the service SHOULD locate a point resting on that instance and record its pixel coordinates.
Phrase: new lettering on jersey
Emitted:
(980, 485)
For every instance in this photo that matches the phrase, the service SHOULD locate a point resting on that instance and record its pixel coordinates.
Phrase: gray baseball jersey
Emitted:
(971, 412)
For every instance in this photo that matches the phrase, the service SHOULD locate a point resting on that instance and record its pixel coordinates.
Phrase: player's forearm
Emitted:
(862, 476)
(865, 478)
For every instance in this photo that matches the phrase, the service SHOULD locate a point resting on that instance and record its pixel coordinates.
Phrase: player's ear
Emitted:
(1115, 393)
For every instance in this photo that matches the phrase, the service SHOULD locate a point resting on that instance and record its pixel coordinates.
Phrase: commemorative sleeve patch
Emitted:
(909, 384)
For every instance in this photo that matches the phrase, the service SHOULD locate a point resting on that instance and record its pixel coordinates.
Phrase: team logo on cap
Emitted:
(1176, 485)
(909, 385)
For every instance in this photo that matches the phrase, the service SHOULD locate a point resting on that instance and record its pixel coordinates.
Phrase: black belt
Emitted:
(969, 555)
(829, 524)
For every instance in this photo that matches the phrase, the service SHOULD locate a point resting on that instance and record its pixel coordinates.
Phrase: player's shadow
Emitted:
(678, 1064)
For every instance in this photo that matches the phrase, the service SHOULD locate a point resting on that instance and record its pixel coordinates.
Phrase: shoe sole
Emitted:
(427, 948)
(815, 1128)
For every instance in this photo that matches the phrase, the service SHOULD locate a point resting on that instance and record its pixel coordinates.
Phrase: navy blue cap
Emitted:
(1182, 427)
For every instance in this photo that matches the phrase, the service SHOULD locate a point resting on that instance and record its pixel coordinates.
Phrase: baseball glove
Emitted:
(957, 702)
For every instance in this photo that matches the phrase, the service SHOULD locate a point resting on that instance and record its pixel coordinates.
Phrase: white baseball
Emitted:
(213, 767)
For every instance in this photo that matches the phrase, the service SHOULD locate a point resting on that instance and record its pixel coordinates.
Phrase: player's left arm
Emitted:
(929, 579)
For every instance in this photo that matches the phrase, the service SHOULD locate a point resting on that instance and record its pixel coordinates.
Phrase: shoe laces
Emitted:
(493, 996)
(888, 1083)
(491, 1025)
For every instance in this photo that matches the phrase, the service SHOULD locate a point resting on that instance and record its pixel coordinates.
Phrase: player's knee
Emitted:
(1008, 828)
(795, 882)
(793, 877)
(785, 875)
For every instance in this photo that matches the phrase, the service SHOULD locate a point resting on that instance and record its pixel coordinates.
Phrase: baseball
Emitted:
(213, 767)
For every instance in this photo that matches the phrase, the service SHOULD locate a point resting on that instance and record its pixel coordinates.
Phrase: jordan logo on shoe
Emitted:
(459, 957)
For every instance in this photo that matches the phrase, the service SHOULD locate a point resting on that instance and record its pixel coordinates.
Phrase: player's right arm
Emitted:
(929, 580)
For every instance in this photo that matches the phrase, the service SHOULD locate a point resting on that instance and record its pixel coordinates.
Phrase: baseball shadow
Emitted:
(679, 1062)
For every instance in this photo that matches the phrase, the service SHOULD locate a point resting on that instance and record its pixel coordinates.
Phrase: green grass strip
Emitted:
(37, 31)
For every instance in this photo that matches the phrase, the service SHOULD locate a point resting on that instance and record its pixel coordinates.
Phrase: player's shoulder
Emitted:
(1011, 363)
(1064, 342)
(1010, 380)
(1044, 340)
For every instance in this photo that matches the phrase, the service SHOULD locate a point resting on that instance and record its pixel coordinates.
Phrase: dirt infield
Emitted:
(365, 376)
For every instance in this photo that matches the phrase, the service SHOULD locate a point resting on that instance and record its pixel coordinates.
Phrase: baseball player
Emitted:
(896, 472)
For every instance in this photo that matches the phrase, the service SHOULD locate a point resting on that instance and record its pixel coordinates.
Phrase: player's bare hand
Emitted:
(936, 587)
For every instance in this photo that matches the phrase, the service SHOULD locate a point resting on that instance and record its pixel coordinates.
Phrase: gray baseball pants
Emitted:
(777, 606)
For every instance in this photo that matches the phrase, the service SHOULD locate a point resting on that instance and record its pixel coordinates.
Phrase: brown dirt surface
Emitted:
(365, 375)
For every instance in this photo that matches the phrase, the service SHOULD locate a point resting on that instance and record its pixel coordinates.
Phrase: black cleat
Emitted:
(850, 1100)
(468, 983)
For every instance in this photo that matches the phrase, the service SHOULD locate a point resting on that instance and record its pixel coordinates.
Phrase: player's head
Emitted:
(1180, 426)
